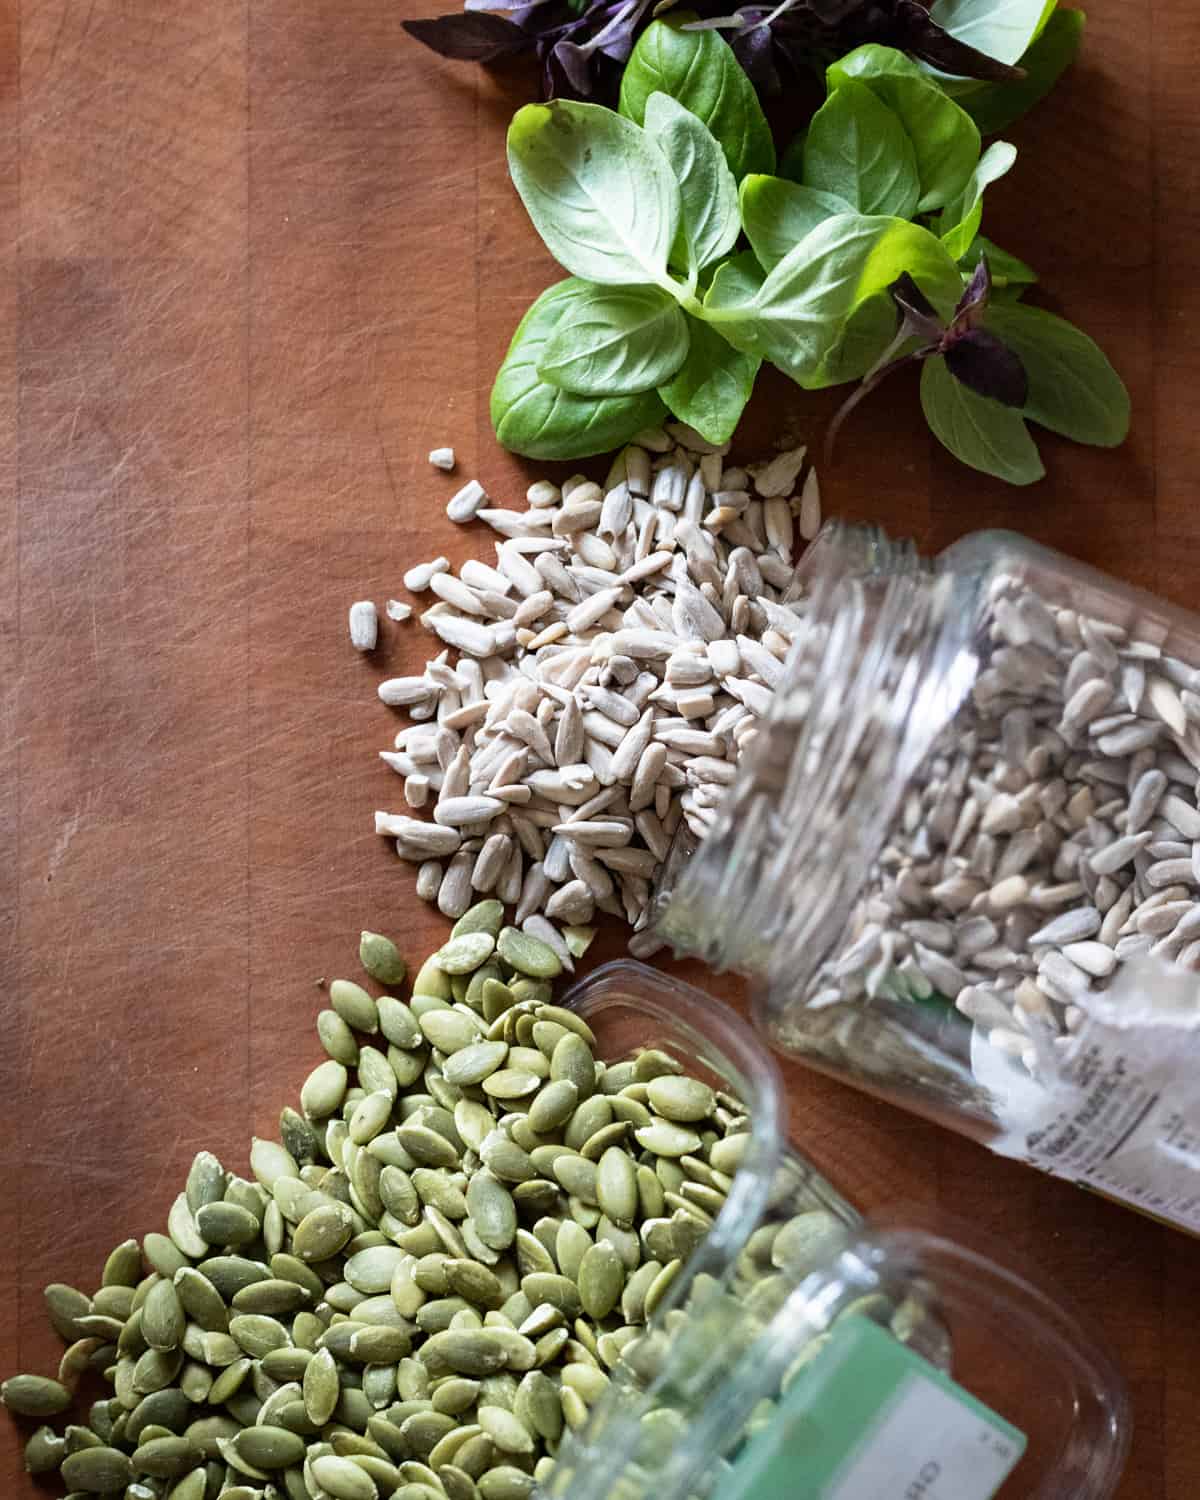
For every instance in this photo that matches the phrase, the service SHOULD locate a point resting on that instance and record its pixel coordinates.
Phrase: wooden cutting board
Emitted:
(255, 260)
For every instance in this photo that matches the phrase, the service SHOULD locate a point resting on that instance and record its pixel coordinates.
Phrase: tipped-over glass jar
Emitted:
(798, 1351)
(963, 855)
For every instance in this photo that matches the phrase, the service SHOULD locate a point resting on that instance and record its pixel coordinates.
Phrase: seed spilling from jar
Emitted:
(426, 1280)
(1052, 835)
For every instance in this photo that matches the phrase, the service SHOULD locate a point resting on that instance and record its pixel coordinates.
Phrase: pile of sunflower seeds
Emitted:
(430, 1276)
(611, 667)
(1053, 834)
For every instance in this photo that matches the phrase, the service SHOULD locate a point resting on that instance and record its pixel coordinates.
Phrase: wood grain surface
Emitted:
(255, 260)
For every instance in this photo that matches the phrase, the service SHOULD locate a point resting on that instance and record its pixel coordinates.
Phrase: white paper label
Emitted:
(929, 1446)
(1123, 1116)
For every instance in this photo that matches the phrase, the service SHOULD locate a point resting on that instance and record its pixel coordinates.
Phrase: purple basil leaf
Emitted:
(974, 300)
(918, 313)
(470, 36)
(515, 13)
(987, 366)
(576, 63)
(755, 50)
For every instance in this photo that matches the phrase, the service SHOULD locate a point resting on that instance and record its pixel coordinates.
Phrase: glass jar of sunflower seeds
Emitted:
(963, 855)
(798, 1352)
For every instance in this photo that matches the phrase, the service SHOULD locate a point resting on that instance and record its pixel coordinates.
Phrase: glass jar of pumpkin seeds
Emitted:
(963, 855)
(797, 1351)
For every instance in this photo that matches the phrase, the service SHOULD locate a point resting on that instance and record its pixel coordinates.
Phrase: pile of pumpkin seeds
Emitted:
(427, 1280)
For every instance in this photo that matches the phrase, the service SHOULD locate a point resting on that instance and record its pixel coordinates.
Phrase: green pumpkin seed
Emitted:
(166, 1457)
(124, 1264)
(492, 1210)
(258, 1334)
(381, 958)
(397, 1022)
(224, 1223)
(546, 1286)
(528, 955)
(571, 1244)
(484, 916)
(206, 1181)
(354, 1005)
(370, 1116)
(230, 1273)
(44, 1451)
(806, 1240)
(505, 1483)
(323, 1090)
(323, 1232)
(573, 1060)
(297, 1135)
(335, 1035)
(163, 1319)
(680, 1098)
(660, 1286)
(473, 1062)
(34, 1396)
(505, 1429)
(267, 1447)
(588, 1380)
(633, 1298)
(450, 1028)
(380, 1343)
(510, 1083)
(617, 1186)
(193, 1486)
(429, 1147)
(553, 1105)
(275, 1297)
(181, 1227)
(97, 1471)
(601, 1280)
(663, 1138)
(64, 1304)
(115, 1302)
(652, 1063)
(475, 1283)
(574, 1408)
(457, 1483)
(464, 954)
(505, 1159)
(370, 1271)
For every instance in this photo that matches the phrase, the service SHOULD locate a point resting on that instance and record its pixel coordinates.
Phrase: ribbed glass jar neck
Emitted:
(881, 661)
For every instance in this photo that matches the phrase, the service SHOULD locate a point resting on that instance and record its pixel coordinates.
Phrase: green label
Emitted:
(871, 1420)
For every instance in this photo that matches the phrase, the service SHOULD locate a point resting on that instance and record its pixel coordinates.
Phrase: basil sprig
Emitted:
(871, 259)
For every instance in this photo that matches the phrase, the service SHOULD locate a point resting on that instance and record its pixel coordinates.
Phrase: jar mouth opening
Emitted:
(882, 659)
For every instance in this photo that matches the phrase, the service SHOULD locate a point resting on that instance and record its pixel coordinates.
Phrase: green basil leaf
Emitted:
(541, 421)
(712, 386)
(1010, 276)
(617, 341)
(857, 148)
(1072, 387)
(699, 70)
(708, 194)
(1001, 28)
(798, 314)
(995, 106)
(979, 431)
(958, 223)
(945, 139)
(777, 214)
(868, 331)
(597, 188)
